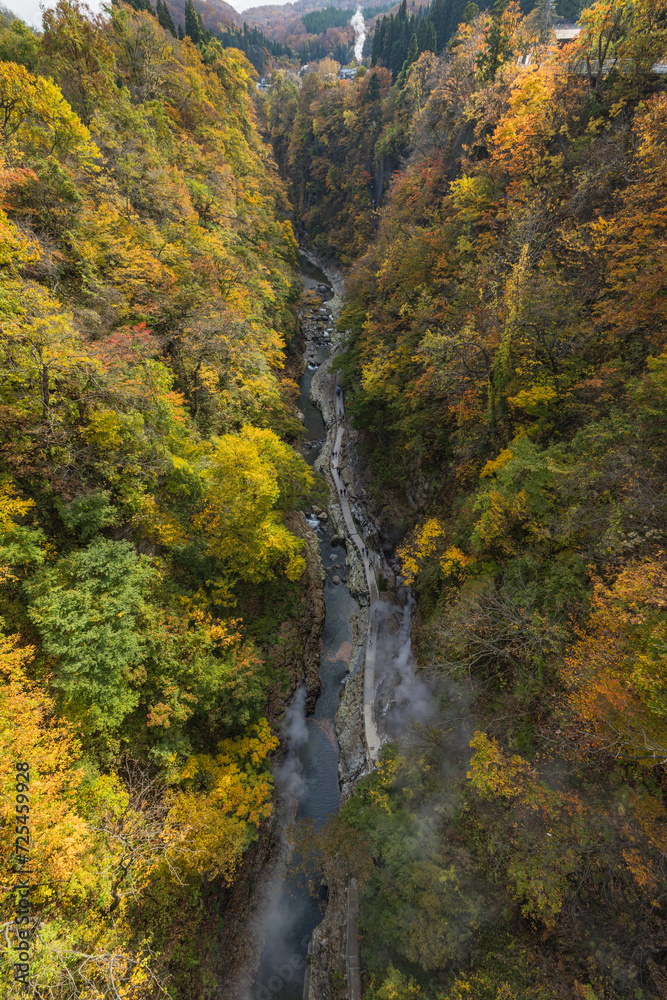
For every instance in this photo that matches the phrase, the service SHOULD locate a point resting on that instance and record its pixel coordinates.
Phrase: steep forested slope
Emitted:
(506, 368)
(147, 286)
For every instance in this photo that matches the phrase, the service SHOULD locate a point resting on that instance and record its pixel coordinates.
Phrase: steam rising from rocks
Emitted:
(282, 963)
(405, 697)
(289, 774)
(357, 22)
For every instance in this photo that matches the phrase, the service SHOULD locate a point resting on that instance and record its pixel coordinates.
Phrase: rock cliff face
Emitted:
(296, 656)
(241, 938)
(326, 964)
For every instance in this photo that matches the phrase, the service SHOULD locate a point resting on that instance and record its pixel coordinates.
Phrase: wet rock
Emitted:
(301, 648)
(323, 516)
(329, 941)
(326, 960)
(296, 656)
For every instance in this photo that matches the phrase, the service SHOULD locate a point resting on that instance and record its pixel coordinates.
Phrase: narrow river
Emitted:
(312, 767)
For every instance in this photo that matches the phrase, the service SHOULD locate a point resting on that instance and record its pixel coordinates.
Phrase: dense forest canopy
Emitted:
(404, 35)
(498, 202)
(500, 207)
(317, 21)
(258, 49)
(147, 289)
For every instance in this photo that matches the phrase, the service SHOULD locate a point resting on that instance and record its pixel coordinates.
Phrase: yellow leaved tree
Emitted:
(41, 351)
(223, 801)
(37, 122)
(547, 828)
(253, 477)
(616, 672)
(29, 733)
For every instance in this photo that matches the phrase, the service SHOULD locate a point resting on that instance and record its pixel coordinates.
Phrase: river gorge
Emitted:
(301, 922)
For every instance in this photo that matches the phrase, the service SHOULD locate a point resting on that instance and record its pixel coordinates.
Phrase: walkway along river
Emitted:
(372, 737)
(359, 635)
(311, 769)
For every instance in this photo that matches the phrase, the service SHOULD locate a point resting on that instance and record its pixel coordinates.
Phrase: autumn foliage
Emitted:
(501, 210)
(147, 290)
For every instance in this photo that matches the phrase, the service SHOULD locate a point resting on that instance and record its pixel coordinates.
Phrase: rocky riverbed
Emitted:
(327, 957)
(265, 867)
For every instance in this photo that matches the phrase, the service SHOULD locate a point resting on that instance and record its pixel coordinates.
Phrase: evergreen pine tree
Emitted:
(192, 23)
(413, 53)
(387, 39)
(164, 17)
(373, 91)
(141, 5)
(497, 42)
(426, 37)
(399, 51)
(438, 17)
(181, 33)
